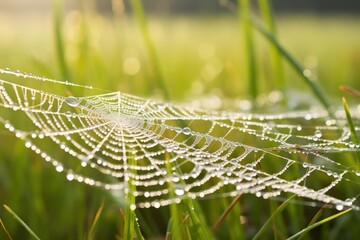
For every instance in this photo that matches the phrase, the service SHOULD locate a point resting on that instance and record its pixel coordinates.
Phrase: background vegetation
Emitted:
(199, 57)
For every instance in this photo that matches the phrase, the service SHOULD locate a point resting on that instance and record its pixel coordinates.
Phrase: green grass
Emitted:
(180, 58)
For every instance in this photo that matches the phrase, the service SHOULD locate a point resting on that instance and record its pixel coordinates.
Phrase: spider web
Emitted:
(171, 152)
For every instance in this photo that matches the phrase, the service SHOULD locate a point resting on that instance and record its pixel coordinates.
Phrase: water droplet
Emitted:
(175, 177)
(161, 106)
(339, 207)
(132, 207)
(59, 168)
(318, 133)
(179, 190)
(62, 145)
(305, 165)
(178, 130)
(7, 125)
(186, 131)
(73, 101)
(156, 204)
(70, 176)
(205, 117)
(28, 144)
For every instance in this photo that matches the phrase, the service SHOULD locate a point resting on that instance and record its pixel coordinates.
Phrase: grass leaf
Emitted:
(244, 9)
(5, 230)
(351, 126)
(140, 16)
(267, 13)
(21, 222)
(267, 224)
(96, 219)
(294, 63)
(59, 40)
(306, 230)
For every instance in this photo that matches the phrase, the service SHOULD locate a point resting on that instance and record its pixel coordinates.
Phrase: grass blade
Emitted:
(305, 230)
(267, 224)
(5, 230)
(59, 41)
(223, 216)
(130, 202)
(351, 126)
(294, 63)
(350, 90)
(174, 222)
(96, 219)
(21, 222)
(140, 16)
(249, 48)
(266, 11)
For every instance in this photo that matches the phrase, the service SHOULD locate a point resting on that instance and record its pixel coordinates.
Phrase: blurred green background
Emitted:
(199, 46)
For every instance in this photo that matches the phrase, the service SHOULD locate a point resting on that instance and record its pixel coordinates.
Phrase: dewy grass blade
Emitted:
(266, 11)
(267, 224)
(306, 230)
(130, 202)
(21, 222)
(175, 228)
(140, 16)
(244, 9)
(352, 128)
(294, 63)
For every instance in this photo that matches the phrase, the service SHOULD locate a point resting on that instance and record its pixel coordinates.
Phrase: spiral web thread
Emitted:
(171, 152)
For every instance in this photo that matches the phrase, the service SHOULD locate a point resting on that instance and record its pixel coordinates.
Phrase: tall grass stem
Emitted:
(244, 9)
(140, 16)
(294, 63)
(59, 40)
(317, 224)
(32, 233)
(267, 14)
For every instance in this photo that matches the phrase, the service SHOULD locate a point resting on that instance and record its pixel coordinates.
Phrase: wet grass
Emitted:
(191, 59)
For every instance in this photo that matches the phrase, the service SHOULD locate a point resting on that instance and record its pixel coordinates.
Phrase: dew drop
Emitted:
(339, 207)
(7, 125)
(156, 204)
(59, 168)
(62, 145)
(28, 144)
(186, 131)
(175, 177)
(305, 165)
(132, 207)
(179, 190)
(318, 133)
(70, 176)
(73, 101)
(161, 106)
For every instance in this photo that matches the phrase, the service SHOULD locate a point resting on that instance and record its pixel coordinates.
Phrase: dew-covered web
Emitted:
(170, 152)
